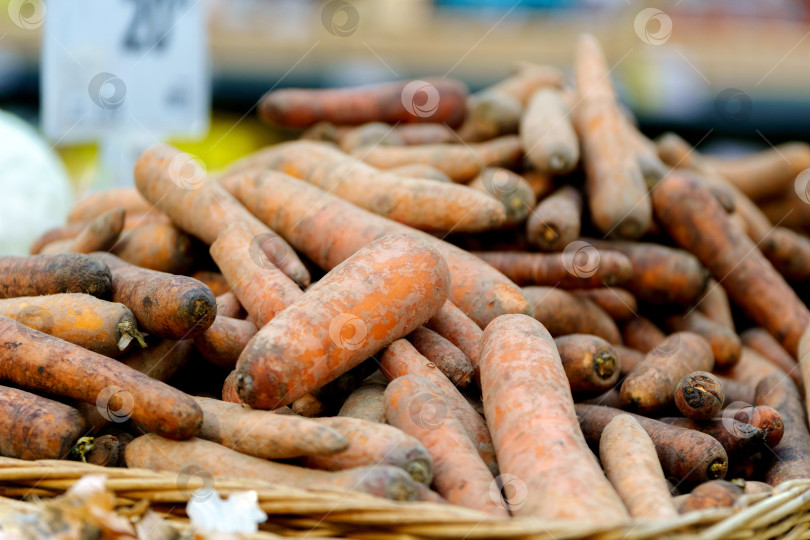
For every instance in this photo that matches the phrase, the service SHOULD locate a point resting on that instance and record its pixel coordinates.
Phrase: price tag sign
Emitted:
(113, 67)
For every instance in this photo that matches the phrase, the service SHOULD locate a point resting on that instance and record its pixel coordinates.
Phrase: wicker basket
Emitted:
(294, 512)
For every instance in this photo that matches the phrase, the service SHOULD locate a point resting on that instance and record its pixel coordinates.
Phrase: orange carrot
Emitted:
(412, 134)
(725, 344)
(459, 162)
(628, 360)
(765, 418)
(752, 368)
(228, 305)
(395, 283)
(53, 274)
(419, 170)
(161, 360)
(556, 220)
(563, 313)
(712, 494)
(513, 192)
(505, 152)
(308, 406)
(530, 411)
(223, 341)
(157, 246)
(546, 132)
(452, 324)
(762, 342)
(178, 186)
(370, 134)
(366, 402)
(590, 363)
(582, 268)
(642, 334)
(699, 395)
(461, 477)
(99, 234)
(443, 354)
(789, 252)
(93, 205)
(620, 304)
(213, 280)
(715, 305)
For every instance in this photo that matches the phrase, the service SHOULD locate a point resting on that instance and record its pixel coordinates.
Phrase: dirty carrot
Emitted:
(530, 411)
(712, 494)
(384, 291)
(726, 345)
(157, 246)
(547, 134)
(791, 458)
(308, 406)
(590, 363)
(715, 305)
(93, 205)
(740, 440)
(448, 358)
(367, 402)
(764, 343)
(228, 305)
(736, 391)
(513, 192)
(563, 313)
(229, 393)
(52, 274)
(370, 134)
(561, 269)
(419, 170)
(459, 162)
(452, 324)
(699, 395)
(642, 334)
(99, 234)
(628, 358)
(213, 280)
(504, 152)
(428, 133)
(556, 220)
(620, 304)
(789, 252)
(752, 368)
(765, 418)
(631, 464)
(106, 451)
(223, 341)
(461, 476)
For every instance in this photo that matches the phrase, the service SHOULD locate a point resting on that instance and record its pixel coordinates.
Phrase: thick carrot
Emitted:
(228, 305)
(631, 464)
(699, 395)
(367, 402)
(687, 456)
(620, 304)
(260, 286)
(93, 205)
(153, 452)
(513, 192)
(740, 440)
(694, 220)
(726, 345)
(266, 434)
(765, 418)
(590, 363)
(157, 246)
(651, 385)
(329, 230)
(52, 274)
(223, 341)
(98, 325)
(420, 170)
(433, 100)
(370, 443)
(563, 313)
(460, 475)
(712, 494)
(395, 284)
(751, 368)
(736, 391)
(789, 252)
(178, 186)
(452, 324)
(556, 221)
(764, 343)
(174, 307)
(617, 194)
(99, 234)
(400, 359)
(530, 412)
(715, 305)
(547, 134)
(213, 280)
(642, 334)
(41, 362)
(35, 427)
(628, 359)
(791, 458)
(580, 268)
(448, 358)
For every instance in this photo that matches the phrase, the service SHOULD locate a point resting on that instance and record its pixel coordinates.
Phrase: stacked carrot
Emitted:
(351, 303)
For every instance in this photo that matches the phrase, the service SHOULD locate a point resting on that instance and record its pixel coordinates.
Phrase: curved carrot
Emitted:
(620, 304)
(547, 134)
(158, 246)
(223, 341)
(555, 222)
(94, 204)
(563, 313)
(99, 234)
(590, 363)
(564, 270)
(53, 274)
(448, 358)
(726, 345)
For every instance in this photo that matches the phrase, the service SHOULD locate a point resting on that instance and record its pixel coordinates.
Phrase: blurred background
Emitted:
(728, 75)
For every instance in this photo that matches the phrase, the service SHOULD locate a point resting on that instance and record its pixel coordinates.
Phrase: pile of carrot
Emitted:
(512, 301)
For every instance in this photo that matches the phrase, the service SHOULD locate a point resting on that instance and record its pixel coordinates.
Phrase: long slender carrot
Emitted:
(370, 134)
(448, 358)
(395, 284)
(261, 288)
(328, 230)
(563, 313)
(751, 368)
(715, 305)
(739, 439)
(158, 246)
(726, 345)
(791, 458)
(420, 170)
(569, 270)
(175, 307)
(178, 186)
(556, 221)
(93, 205)
(513, 192)
(764, 343)
(694, 220)
(547, 133)
(460, 475)
(223, 341)
(789, 252)
(460, 163)
(505, 152)
(98, 325)
(53, 274)
(452, 324)
(617, 194)
(699, 395)
(367, 402)
(435, 101)
(590, 363)
(427, 133)
(631, 464)
(41, 362)
(530, 411)
(99, 234)
(620, 304)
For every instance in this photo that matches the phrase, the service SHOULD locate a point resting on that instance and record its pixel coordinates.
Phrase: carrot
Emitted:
(789, 211)
(751, 368)
(628, 359)
(661, 275)
(576, 268)
(52, 274)
(35, 427)
(106, 451)
(555, 222)
(547, 134)
(645, 153)
(563, 313)
(736, 391)
(712, 494)
(542, 184)
(99, 234)
(414, 134)
(460, 475)
(395, 283)
(693, 219)
(764, 343)
(617, 194)
(334, 393)
(651, 385)
(789, 252)
(434, 100)
(157, 246)
(715, 305)
(790, 459)
(161, 360)
(213, 280)
(530, 412)
(460, 163)
(448, 358)
(740, 440)
(372, 133)
(754, 486)
(631, 464)
(328, 230)
(400, 359)
(642, 334)
(611, 398)
(266, 434)
(726, 345)
(153, 452)
(687, 456)
(590, 363)
(765, 418)
(178, 186)
(370, 443)
(513, 192)
(699, 395)
(260, 286)
(505, 152)
(229, 393)
(228, 306)
(223, 341)
(93, 205)
(308, 406)
(620, 304)
(367, 401)
(98, 325)
(62, 232)
(41, 362)
(765, 173)
(174, 307)
(452, 324)
(420, 170)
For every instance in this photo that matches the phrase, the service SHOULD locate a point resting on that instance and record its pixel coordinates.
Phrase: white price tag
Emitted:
(113, 67)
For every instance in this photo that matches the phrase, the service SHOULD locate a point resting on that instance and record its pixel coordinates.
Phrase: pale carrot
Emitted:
(555, 222)
(94, 204)
(547, 134)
